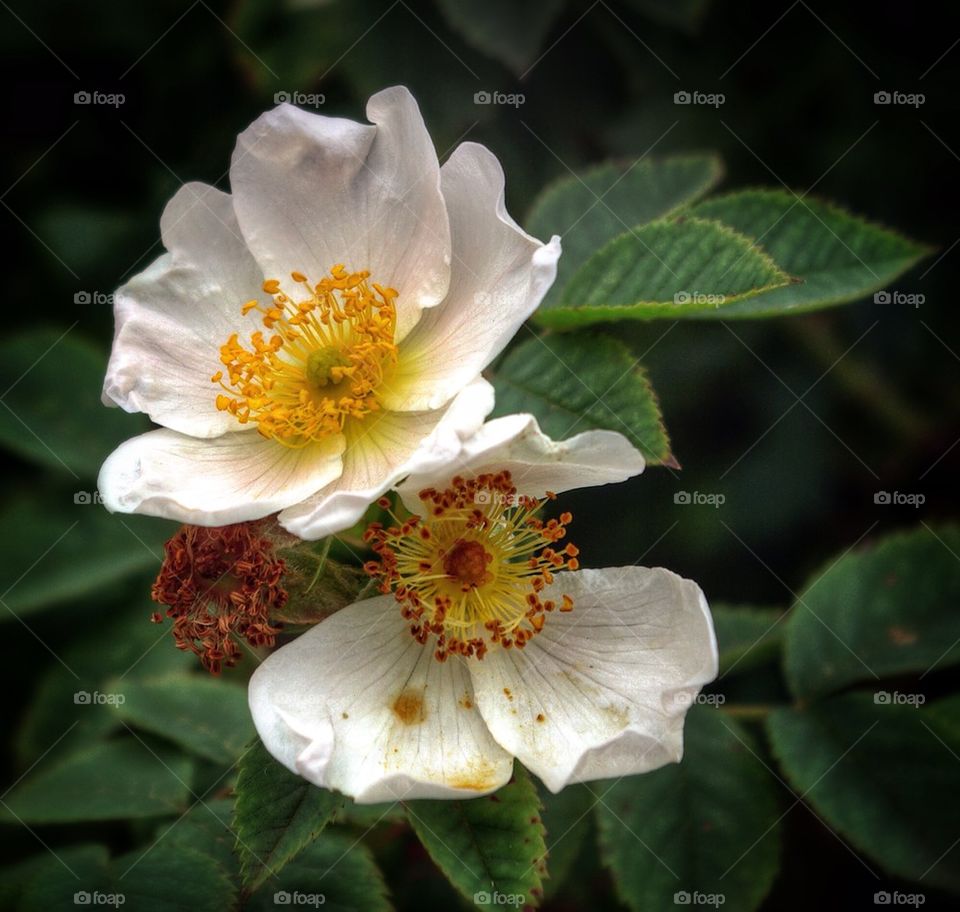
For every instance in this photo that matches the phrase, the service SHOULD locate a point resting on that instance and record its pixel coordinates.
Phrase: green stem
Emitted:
(860, 379)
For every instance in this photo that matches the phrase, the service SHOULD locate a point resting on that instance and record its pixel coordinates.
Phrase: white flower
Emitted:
(494, 645)
(317, 334)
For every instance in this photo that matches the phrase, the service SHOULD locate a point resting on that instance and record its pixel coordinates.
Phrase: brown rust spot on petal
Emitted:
(409, 708)
(480, 776)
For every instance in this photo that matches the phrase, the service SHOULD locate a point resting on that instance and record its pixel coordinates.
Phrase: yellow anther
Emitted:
(323, 364)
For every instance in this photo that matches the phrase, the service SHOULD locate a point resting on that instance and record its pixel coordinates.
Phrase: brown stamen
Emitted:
(220, 583)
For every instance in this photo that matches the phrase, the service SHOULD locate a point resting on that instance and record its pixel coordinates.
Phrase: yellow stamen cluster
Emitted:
(471, 570)
(323, 362)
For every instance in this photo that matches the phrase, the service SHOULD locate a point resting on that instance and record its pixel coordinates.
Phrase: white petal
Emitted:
(357, 705)
(312, 191)
(172, 318)
(499, 275)
(602, 691)
(384, 448)
(233, 478)
(536, 463)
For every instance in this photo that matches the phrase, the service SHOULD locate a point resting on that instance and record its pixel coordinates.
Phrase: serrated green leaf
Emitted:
(19, 881)
(582, 381)
(630, 194)
(51, 412)
(747, 637)
(492, 846)
(205, 829)
(128, 647)
(199, 884)
(708, 825)
(664, 269)
(205, 716)
(838, 256)
(889, 610)
(55, 550)
(277, 815)
(508, 30)
(884, 776)
(335, 866)
(116, 780)
(156, 878)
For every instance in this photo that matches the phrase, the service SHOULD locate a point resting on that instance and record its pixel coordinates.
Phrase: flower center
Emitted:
(467, 562)
(471, 570)
(323, 363)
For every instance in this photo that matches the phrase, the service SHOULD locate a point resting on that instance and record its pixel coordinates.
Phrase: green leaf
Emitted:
(203, 715)
(317, 585)
(889, 610)
(122, 779)
(508, 30)
(127, 647)
(838, 256)
(157, 878)
(205, 829)
(747, 637)
(883, 776)
(567, 819)
(50, 408)
(277, 815)
(55, 550)
(335, 866)
(169, 878)
(19, 882)
(708, 825)
(630, 195)
(665, 269)
(493, 845)
(580, 382)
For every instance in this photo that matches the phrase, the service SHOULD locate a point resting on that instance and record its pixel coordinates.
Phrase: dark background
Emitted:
(83, 188)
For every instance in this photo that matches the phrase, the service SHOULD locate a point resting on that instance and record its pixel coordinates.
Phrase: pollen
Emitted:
(471, 572)
(217, 584)
(319, 362)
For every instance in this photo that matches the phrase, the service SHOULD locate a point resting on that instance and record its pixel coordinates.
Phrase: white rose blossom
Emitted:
(314, 336)
(492, 645)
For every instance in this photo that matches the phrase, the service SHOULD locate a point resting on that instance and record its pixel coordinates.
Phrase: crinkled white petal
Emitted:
(499, 274)
(536, 463)
(312, 191)
(233, 478)
(172, 318)
(356, 704)
(602, 691)
(384, 448)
